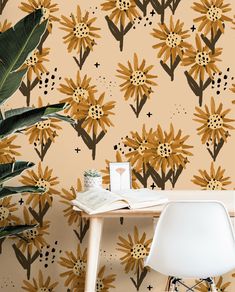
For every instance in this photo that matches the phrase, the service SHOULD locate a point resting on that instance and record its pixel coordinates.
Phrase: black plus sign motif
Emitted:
(21, 201)
(97, 65)
(153, 186)
(77, 150)
(149, 114)
(150, 287)
(193, 28)
(152, 13)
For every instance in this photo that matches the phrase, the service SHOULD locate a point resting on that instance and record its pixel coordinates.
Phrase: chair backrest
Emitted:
(193, 239)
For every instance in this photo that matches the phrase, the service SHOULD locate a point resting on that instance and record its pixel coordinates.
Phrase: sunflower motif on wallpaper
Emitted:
(138, 144)
(45, 179)
(172, 44)
(135, 250)
(203, 64)
(213, 180)
(35, 66)
(220, 286)
(121, 18)
(167, 156)
(40, 284)
(215, 126)
(48, 9)
(81, 34)
(72, 216)
(29, 244)
(106, 175)
(212, 21)
(76, 91)
(7, 209)
(75, 265)
(8, 150)
(91, 115)
(7, 217)
(43, 134)
(5, 25)
(76, 271)
(138, 82)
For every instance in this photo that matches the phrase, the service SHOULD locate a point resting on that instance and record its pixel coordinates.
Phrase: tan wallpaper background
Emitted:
(68, 156)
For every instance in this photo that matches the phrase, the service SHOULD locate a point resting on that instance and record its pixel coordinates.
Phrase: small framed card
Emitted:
(120, 176)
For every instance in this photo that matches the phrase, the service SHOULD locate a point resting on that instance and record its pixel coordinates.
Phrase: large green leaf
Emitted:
(10, 170)
(15, 45)
(9, 191)
(63, 118)
(14, 230)
(28, 118)
(16, 111)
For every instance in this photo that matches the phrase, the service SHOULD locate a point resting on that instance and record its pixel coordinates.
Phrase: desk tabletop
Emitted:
(226, 197)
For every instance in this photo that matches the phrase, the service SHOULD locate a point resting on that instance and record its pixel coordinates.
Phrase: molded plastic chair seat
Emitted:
(193, 239)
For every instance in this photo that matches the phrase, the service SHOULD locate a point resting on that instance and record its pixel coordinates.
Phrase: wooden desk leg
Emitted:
(95, 233)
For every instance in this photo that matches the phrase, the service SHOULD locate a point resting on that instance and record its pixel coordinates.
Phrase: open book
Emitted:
(98, 200)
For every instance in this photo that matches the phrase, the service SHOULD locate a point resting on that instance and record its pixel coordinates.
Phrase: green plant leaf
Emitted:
(16, 111)
(10, 170)
(14, 230)
(26, 119)
(63, 118)
(9, 191)
(15, 45)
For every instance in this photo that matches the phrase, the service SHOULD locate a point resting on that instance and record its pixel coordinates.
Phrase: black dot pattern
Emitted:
(81, 30)
(214, 184)
(123, 5)
(95, 112)
(202, 58)
(178, 110)
(214, 13)
(221, 81)
(173, 40)
(49, 254)
(6, 282)
(4, 213)
(215, 121)
(164, 150)
(138, 78)
(48, 82)
(138, 251)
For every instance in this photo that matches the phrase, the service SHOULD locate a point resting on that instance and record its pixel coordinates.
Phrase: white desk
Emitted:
(96, 223)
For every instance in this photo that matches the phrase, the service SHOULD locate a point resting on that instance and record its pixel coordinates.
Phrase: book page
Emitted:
(141, 198)
(94, 200)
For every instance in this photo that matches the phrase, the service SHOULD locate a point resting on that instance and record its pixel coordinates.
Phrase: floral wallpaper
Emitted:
(147, 81)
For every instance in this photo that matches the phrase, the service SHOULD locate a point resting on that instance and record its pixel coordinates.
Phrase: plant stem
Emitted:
(139, 277)
(170, 70)
(25, 261)
(41, 212)
(216, 149)
(26, 89)
(1, 242)
(142, 6)
(121, 37)
(44, 148)
(2, 5)
(140, 102)
(82, 57)
(83, 228)
(197, 89)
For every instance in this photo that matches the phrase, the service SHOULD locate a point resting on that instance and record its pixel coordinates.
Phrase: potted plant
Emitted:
(92, 179)
(16, 44)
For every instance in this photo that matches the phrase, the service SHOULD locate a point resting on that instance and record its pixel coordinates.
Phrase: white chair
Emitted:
(193, 239)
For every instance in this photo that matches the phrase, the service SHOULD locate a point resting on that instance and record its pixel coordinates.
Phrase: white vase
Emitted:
(92, 182)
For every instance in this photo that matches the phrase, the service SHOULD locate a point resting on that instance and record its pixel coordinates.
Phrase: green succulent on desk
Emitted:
(92, 173)
(16, 44)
